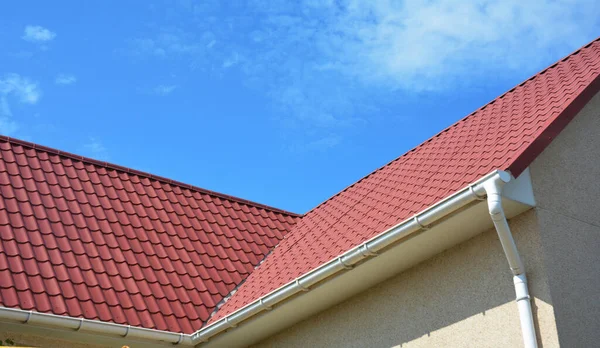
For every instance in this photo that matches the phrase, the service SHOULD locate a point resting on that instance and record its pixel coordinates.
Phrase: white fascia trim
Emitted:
(419, 222)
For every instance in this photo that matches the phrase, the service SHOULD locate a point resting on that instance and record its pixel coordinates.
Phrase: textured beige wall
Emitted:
(462, 297)
(566, 181)
(32, 340)
(35, 336)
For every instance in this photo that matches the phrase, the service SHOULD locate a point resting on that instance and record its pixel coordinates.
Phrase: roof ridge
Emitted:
(128, 170)
(541, 72)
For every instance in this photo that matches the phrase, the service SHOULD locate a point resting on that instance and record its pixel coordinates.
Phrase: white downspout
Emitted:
(493, 189)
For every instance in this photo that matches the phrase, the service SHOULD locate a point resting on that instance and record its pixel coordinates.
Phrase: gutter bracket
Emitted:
(344, 264)
(202, 339)
(127, 331)
(179, 340)
(229, 323)
(423, 227)
(80, 325)
(264, 306)
(366, 252)
(302, 288)
(29, 315)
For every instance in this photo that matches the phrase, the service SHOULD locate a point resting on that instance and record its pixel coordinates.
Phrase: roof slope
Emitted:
(88, 239)
(506, 134)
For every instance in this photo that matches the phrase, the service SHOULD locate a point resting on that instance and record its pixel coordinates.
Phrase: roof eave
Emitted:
(420, 223)
(48, 320)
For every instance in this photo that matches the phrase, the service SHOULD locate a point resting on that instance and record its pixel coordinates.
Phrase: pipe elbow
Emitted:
(495, 206)
(493, 189)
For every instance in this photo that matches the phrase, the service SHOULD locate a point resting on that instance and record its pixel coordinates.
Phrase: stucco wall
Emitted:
(462, 297)
(31, 340)
(566, 182)
(31, 335)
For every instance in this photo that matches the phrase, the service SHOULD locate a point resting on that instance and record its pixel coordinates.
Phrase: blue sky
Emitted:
(281, 102)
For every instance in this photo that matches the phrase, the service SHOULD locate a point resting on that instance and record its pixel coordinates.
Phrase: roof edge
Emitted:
(348, 259)
(521, 84)
(140, 173)
(93, 326)
(368, 249)
(554, 128)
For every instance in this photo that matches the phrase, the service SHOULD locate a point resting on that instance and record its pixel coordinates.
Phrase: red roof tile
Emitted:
(506, 134)
(84, 238)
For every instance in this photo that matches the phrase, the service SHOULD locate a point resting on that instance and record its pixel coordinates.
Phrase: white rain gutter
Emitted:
(422, 221)
(92, 326)
(490, 185)
(493, 190)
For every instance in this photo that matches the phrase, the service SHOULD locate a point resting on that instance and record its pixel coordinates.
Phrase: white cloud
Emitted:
(428, 45)
(327, 65)
(96, 149)
(325, 143)
(417, 45)
(147, 46)
(65, 79)
(21, 88)
(36, 33)
(169, 42)
(163, 90)
(311, 144)
(7, 125)
(234, 59)
(20, 54)
(412, 45)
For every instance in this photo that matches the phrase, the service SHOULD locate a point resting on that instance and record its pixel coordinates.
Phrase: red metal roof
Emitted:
(506, 134)
(84, 238)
